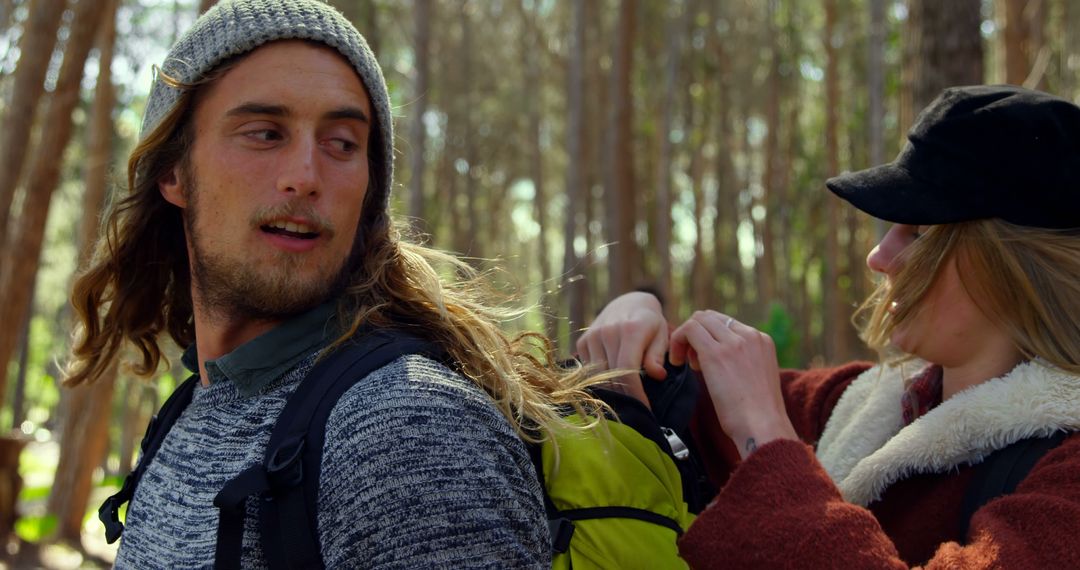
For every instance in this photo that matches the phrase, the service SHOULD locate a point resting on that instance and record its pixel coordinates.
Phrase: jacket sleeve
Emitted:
(421, 470)
(780, 509)
(809, 396)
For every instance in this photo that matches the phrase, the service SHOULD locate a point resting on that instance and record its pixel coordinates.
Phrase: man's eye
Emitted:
(343, 145)
(264, 135)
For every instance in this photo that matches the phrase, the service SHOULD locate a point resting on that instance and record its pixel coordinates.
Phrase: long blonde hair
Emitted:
(137, 288)
(1026, 280)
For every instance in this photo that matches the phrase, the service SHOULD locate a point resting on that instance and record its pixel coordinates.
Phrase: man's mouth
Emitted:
(290, 229)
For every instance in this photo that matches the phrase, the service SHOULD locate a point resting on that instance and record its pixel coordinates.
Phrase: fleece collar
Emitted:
(866, 448)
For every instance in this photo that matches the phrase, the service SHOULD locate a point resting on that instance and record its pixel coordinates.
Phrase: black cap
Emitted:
(986, 151)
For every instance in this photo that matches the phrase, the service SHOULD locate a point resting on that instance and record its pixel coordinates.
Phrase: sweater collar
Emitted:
(866, 447)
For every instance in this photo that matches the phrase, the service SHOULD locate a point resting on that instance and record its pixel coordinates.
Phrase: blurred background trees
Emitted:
(588, 147)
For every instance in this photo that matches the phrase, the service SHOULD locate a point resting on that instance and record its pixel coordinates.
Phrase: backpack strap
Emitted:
(160, 424)
(288, 478)
(1002, 471)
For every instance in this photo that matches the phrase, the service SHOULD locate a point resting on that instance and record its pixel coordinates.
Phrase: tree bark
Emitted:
(531, 50)
(41, 183)
(672, 64)
(84, 440)
(619, 191)
(876, 90)
(946, 47)
(85, 431)
(36, 48)
(573, 283)
(417, 135)
(835, 331)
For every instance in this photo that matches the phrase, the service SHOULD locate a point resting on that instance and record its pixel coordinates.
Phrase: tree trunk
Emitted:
(672, 64)
(876, 91)
(573, 284)
(765, 264)
(84, 439)
(417, 136)
(10, 484)
(18, 402)
(835, 331)
(476, 248)
(85, 431)
(43, 180)
(205, 5)
(531, 46)
(947, 47)
(619, 190)
(36, 48)
(1022, 37)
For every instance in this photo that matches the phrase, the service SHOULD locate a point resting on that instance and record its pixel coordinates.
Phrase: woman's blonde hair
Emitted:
(1025, 279)
(137, 287)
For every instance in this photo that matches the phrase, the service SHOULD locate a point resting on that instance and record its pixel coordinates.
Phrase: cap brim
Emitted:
(890, 193)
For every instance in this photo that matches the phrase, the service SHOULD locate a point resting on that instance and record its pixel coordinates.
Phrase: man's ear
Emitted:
(171, 186)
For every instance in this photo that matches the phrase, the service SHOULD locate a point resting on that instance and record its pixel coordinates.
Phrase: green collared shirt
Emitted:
(263, 359)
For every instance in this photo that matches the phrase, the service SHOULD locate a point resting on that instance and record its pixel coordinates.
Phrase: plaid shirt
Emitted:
(922, 394)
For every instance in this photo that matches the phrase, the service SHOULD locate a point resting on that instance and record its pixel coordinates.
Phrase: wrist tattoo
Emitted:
(751, 445)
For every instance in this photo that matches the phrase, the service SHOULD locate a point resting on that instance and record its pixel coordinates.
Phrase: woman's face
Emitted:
(949, 329)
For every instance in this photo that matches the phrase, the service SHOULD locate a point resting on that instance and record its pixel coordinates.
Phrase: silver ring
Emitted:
(728, 322)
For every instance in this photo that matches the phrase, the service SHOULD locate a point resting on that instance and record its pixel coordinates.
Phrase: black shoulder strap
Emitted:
(160, 424)
(288, 478)
(1002, 471)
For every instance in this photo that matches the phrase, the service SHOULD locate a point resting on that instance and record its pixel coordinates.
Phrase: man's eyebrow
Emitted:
(258, 109)
(354, 113)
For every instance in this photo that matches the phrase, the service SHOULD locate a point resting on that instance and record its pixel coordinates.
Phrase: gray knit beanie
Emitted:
(234, 27)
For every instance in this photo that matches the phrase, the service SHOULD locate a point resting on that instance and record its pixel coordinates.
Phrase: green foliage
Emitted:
(780, 327)
(35, 529)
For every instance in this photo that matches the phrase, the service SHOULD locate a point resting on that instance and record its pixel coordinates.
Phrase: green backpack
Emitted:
(619, 495)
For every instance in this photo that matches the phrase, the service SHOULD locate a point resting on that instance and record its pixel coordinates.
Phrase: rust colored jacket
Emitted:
(877, 494)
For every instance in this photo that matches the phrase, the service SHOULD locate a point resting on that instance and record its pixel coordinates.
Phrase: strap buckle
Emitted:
(678, 448)
(562, 530)
(285, 469)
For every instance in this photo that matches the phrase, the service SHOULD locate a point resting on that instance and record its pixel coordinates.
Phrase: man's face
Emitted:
(273, 186)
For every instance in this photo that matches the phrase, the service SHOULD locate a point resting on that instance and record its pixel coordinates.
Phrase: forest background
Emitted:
(585, 147)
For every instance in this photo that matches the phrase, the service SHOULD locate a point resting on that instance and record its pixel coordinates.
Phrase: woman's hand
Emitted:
(631, 332)
(740, 369)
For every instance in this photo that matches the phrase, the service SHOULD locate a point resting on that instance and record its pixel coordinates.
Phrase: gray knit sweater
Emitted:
(419, 470)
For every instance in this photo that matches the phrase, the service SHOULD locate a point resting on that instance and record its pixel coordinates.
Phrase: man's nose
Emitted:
(299, 172)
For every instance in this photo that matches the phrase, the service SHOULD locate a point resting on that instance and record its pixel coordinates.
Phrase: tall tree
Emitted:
(417, 135)
(835, 331)
(772, 171)
(531, 52)
(573, 286)
(1023, 38)
(619, 187)
(946, 46)
(876, 88)
(676, 29)
(35, 49)
(42, 180)
(85, 431)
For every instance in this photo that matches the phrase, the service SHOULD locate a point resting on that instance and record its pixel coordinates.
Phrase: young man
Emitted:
(256, 235)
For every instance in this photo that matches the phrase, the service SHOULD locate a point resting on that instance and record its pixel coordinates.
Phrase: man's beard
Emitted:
(244, 288)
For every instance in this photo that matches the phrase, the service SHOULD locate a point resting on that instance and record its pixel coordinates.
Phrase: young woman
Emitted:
(981, 298)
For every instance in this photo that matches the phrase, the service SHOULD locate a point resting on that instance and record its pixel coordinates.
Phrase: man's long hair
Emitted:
(138, 287)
